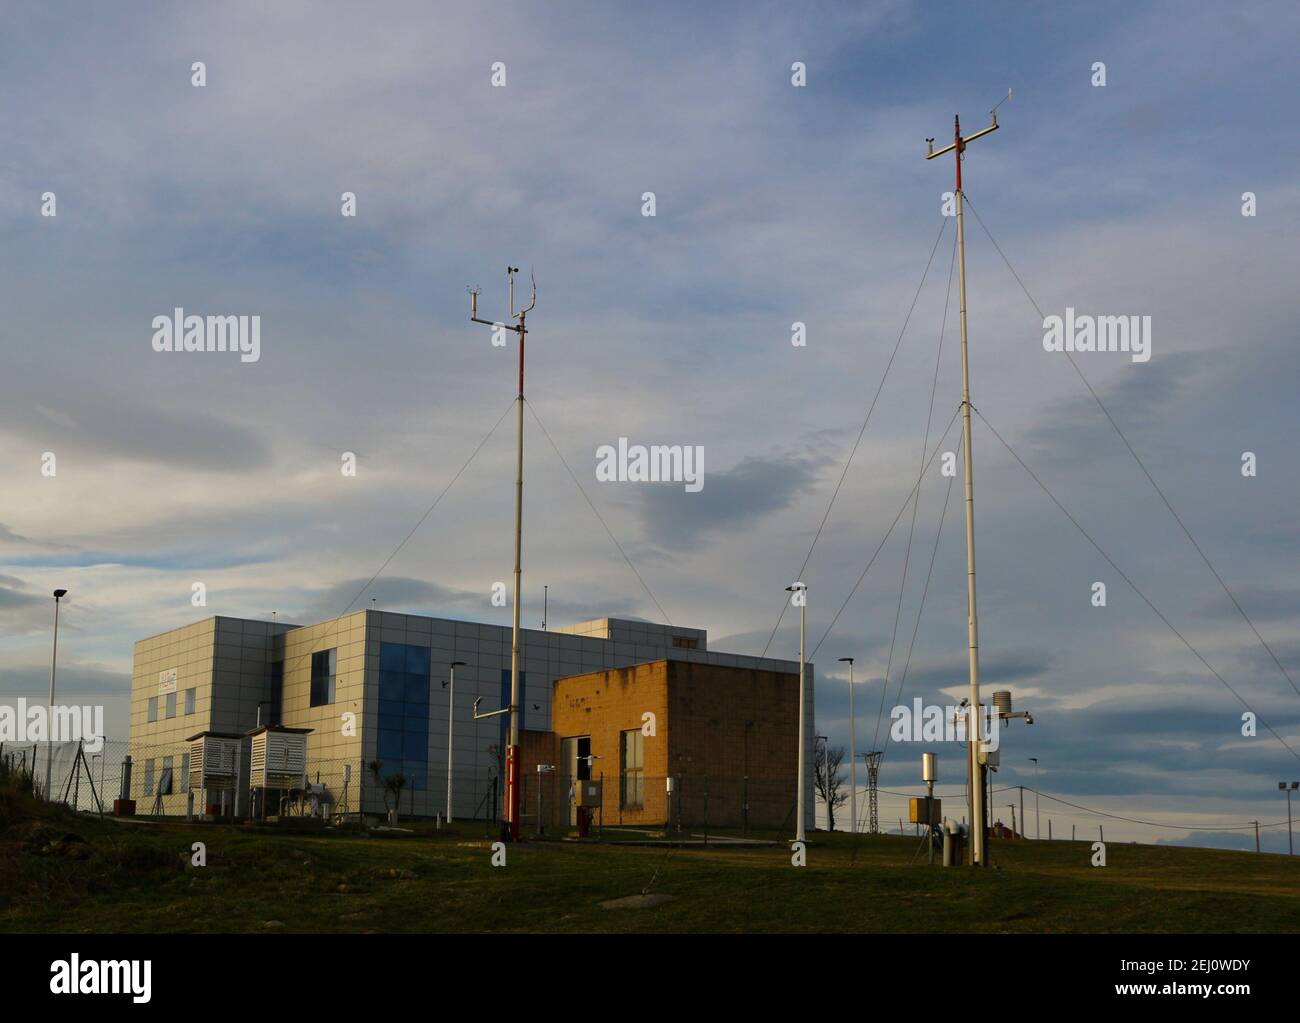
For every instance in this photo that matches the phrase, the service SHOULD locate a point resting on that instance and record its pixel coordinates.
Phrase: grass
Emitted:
(60, 873)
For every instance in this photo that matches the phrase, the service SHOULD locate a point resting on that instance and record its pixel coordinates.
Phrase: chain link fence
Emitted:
(157, 779)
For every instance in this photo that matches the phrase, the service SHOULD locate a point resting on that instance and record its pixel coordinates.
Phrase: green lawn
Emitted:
(126, 877)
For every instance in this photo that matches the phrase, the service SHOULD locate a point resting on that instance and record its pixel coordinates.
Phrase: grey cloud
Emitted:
(731, 498)
(34, 680)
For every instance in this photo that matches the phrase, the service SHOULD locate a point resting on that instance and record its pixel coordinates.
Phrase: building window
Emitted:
(165, 780)
(153, 708)
(277, 691)
(632, 766)
(686, 642)
(403, 736)
(148, 777)
(185, 770)
(171, 705)
(191, 698)
(322, 677)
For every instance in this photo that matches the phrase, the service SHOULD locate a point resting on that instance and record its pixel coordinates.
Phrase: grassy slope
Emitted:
(137, 878)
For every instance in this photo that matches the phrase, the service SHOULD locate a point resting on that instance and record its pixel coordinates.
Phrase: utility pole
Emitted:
(512, 741)
(1291, 848)
(1256, 823)
(1022, 806)
(974, 740)
(853, 756)
(799, 594)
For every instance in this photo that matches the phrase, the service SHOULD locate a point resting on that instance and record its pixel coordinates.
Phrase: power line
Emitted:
(910, 494)
(1134, 586)
(1142, 465)
(427, 512)
(916, 505)
(871, 408)
(600, 517)
(921, 607)
(1119, 817)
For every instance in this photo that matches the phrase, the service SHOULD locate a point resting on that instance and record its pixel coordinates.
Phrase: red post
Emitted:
(512, 791)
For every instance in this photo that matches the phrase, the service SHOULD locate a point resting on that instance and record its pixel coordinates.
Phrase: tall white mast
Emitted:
(975, 750)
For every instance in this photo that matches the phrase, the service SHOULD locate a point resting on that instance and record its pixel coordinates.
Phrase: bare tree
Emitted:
(828, 783)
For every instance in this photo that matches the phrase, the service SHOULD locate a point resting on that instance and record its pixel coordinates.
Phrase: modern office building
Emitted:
(372, 687)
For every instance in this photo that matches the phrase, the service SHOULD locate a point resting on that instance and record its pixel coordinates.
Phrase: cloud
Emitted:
(21, 608)
(73, 678)
(775, 204)
(734, 498)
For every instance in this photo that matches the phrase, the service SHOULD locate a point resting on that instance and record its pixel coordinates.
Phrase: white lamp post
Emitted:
(853, 755)
(49, 721)
(799, 596)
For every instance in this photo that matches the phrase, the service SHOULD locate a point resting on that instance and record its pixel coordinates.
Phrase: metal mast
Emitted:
(975, 739)
(873, 805)
(512, 742)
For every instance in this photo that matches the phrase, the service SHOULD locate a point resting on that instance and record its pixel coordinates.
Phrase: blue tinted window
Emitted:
(390, 744)
(392, 657)
(404, 712)
(417, 660)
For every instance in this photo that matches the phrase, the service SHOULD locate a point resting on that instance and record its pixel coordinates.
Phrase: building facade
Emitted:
(374, 689)
(672, 743)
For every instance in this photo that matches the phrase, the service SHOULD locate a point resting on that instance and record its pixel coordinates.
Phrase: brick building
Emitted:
(725, 735)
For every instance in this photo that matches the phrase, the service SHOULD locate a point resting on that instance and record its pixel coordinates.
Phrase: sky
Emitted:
(774, 204)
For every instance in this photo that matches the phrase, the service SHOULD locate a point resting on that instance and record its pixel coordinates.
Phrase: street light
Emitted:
(853, 755)
(451, 720)
(1037, 833)
(49, 709)
(1290, 842)
(800, 598)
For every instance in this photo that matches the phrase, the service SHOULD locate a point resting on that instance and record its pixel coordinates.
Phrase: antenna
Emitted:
(510, 830)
